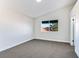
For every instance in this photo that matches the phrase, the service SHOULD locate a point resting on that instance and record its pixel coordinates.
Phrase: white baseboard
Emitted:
(14, 45)
(77, 53)
(53, 40)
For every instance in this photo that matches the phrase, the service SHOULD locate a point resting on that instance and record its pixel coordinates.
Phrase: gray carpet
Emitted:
(40, 49)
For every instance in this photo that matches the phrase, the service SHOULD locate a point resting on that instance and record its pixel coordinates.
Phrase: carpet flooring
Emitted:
(40, 49)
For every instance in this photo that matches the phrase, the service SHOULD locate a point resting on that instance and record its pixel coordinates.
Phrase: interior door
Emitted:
(72, 30)
(76, 35)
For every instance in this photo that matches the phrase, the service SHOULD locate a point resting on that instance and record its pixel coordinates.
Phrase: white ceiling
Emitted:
(34, 9)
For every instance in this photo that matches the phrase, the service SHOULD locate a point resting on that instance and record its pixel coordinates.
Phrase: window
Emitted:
(49, 26)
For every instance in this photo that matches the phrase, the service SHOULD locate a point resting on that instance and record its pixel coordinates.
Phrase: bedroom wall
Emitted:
(15, 29)
(75, 15)
(63, 34)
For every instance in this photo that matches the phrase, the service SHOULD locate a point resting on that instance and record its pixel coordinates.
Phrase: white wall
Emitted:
(75, 12)
(15, 29)
(63, 34)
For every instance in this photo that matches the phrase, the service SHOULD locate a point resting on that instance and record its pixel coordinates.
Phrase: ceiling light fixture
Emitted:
(39, 1)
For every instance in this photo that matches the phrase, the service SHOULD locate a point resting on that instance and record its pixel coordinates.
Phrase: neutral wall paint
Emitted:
(63, 16)
(15, 29)
(75, 13)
